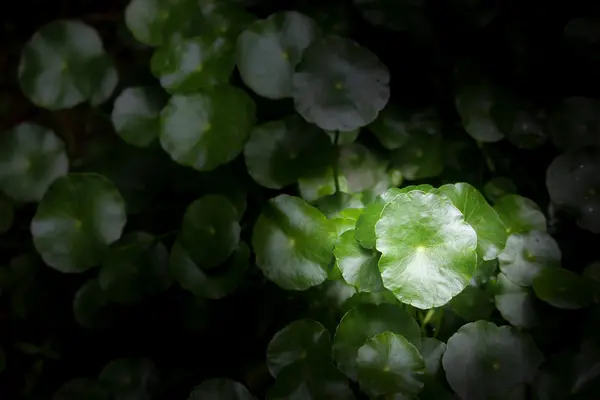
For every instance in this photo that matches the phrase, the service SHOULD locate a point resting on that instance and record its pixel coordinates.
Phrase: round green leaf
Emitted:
(312, 381)
(526, 254)
(520, 214)
(574, 184)
(77, 219)
(389, 363)
(208, 128)
(482, 359)
(136, 115)
(432, 351)
(64, 64)
(339, 85)
(220, 388)
(214, 285)
(340, 205)
(364, 322)
(297, 341)
(83, 388)
(90, 305)
(564, 289)
(515, 303)
(31, 158)
(394, 126)
(498, 187)
(136, 266)
(279, 152)
(269, 50)
(437, 257)
(7, 214)
(130, 378)
(186, 66)
(148, 19)
(210, 230)
(363, 168)
(357, 264)
(491, 232)
(293, 242)
(420, 157)
(474, 103)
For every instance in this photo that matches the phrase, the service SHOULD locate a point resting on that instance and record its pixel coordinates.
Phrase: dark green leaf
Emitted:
(220, 388)
(136, 115)
(564, 289)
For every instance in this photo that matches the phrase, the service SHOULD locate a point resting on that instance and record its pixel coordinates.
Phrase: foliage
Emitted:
(246, 199)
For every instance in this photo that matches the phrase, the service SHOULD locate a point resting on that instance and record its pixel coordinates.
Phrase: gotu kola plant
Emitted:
(268, 154)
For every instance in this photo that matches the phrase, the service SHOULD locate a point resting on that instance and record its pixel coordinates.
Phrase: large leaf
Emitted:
(279, 152)
(491, 232)
(339, 85)
(299, 340)
(438, 255)
(483, 360)
(364, 322)
(269, 50)
(78, 218)
(210, 230)
(564, 289)
(526, 254)
(207, 129)
(64, 64)
(31, 158)
(388, 363)
(293, 242)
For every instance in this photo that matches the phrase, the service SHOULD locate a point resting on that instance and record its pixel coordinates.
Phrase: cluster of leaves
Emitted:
(270, 151)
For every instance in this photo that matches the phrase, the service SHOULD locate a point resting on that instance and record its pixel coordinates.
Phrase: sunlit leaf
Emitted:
(520, 214)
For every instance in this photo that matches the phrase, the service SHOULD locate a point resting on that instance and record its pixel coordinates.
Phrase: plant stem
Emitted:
(336, 178)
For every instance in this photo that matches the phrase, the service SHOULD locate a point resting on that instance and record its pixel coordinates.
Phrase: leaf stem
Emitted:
(336, 178)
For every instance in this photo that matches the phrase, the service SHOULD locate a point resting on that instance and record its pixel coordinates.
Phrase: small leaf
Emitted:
(482, 359)
(136, 266)
(215, 285)
(340, 205)
(357, 264)
(89, 305)
(526, 254)
(574, 184)
(437, 258)
(339, 85)
(130, 378)
(491, 232)
(64, 64)
(207, 129)
(210, 230)
(83, 388)
(364, 322)
(136, 115)
(499, 187)
(564, 289)
(78, 218)
(394, 126)
(279, 152)
(31, 158)
(297, 341)
(220, 388)
(269, 50)
(389, 363)
(189, 65)
(472, 304)
(520, 214)
(474, 103)
(321, 183)
(515, 303)
(345, 138)
(293, 242)
(432, 351)
(365, 225)
(363, 168)
(311, 382)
